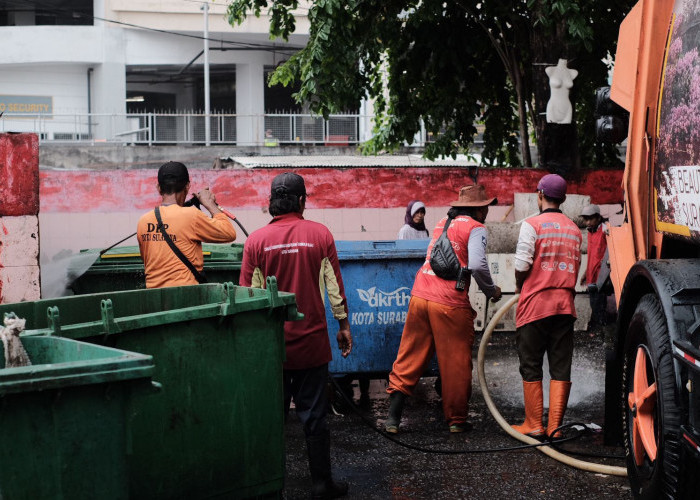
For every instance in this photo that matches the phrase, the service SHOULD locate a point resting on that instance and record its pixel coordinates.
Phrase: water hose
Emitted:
(233, 218)
(547, 450)
(194, 202)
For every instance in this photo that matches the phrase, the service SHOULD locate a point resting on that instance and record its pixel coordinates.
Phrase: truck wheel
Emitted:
(651, 416)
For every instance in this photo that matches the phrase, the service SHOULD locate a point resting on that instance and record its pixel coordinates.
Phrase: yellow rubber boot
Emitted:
(533, 410)
(558, 399)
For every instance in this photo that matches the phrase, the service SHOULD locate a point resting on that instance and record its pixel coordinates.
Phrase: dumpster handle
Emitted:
(384, 244)
(293, 314)
(54, 321)
(275, 300)
(230, 302)
(107, 327)
(273, 292)
(108, 317)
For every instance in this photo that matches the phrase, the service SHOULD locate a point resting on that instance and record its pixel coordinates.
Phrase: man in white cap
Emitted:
(547, 261)
(597, 245)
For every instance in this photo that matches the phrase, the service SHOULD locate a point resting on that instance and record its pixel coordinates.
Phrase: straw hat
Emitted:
(473, 196)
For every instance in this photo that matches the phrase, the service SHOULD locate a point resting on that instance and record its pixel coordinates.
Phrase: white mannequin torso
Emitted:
(561, 79)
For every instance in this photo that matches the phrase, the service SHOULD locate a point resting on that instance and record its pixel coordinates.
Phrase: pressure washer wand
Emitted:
(233, 218)
(102, 252)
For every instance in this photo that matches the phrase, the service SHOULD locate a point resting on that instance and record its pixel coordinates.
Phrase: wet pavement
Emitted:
(377, 468)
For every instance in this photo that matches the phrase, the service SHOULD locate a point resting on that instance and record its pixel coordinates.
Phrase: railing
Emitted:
(159, 128)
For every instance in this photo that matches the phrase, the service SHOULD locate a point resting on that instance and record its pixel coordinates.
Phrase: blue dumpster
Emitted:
(378, 277)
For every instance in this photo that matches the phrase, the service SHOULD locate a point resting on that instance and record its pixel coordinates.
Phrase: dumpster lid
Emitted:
(112, 313)
(60, 362)
(381, 249)
(127, 256)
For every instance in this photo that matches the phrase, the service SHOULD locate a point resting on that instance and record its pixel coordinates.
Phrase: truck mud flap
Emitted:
(688, 355)
(689, 358)
(691, 442)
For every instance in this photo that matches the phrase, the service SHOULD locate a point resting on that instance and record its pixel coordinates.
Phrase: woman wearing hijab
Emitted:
(414, 227)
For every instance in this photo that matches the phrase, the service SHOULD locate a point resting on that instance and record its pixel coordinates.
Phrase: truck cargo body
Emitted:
(653, 372)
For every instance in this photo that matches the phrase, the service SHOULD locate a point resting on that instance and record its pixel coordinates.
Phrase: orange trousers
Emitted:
(449, 332)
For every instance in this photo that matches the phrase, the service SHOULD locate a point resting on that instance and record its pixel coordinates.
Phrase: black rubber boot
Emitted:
(319, 450)
(396, 402)
(364, 392)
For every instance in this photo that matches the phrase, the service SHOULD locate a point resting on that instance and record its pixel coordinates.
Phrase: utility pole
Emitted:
(207, 121)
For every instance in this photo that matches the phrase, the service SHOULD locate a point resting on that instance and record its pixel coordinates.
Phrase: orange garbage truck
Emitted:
(653, 365)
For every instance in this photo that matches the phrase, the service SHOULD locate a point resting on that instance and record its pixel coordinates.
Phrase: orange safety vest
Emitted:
(548, 289)
(430, 287)
(597, 244)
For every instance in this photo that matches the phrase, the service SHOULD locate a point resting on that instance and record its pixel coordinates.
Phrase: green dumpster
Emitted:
(64, 420)
(217, 426)
(121, 268)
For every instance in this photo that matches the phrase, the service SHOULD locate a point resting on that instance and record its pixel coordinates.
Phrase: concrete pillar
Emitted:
(366, 120)
(250, 103)
(525, 205)
(19, 218)
(108, 87)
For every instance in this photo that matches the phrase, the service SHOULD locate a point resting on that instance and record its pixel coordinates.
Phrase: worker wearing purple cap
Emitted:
(547, 261)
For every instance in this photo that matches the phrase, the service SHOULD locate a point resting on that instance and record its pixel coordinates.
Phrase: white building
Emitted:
(65, 58)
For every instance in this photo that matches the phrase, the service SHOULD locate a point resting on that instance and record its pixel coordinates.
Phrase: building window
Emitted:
(46, 12)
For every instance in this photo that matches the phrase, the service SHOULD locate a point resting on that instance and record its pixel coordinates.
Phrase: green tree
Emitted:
(450, 64)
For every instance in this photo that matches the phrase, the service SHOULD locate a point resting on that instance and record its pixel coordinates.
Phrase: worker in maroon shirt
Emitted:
(301, 254)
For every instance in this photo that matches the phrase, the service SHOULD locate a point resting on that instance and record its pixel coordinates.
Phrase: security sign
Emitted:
(26, 104)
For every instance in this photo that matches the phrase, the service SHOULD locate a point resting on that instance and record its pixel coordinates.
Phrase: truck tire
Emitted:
(651, 418)
(612, 430)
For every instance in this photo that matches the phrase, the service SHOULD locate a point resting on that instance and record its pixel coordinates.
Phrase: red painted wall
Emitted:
(2, 237)
(19, 174)
(130, 190)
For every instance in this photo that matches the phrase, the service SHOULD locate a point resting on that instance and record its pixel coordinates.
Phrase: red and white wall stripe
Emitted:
(19, 222)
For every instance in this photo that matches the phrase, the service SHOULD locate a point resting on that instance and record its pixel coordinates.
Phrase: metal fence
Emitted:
(160, 128)
(338, 129)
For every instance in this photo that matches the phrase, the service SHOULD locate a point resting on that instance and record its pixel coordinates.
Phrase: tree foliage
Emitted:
(449, 64)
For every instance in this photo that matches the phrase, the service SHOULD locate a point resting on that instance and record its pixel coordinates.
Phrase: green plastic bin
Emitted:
(217, 427)
(121, 268)
(64, 420)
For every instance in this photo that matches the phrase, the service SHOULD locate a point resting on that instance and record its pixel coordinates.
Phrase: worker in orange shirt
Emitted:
(179, 261)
